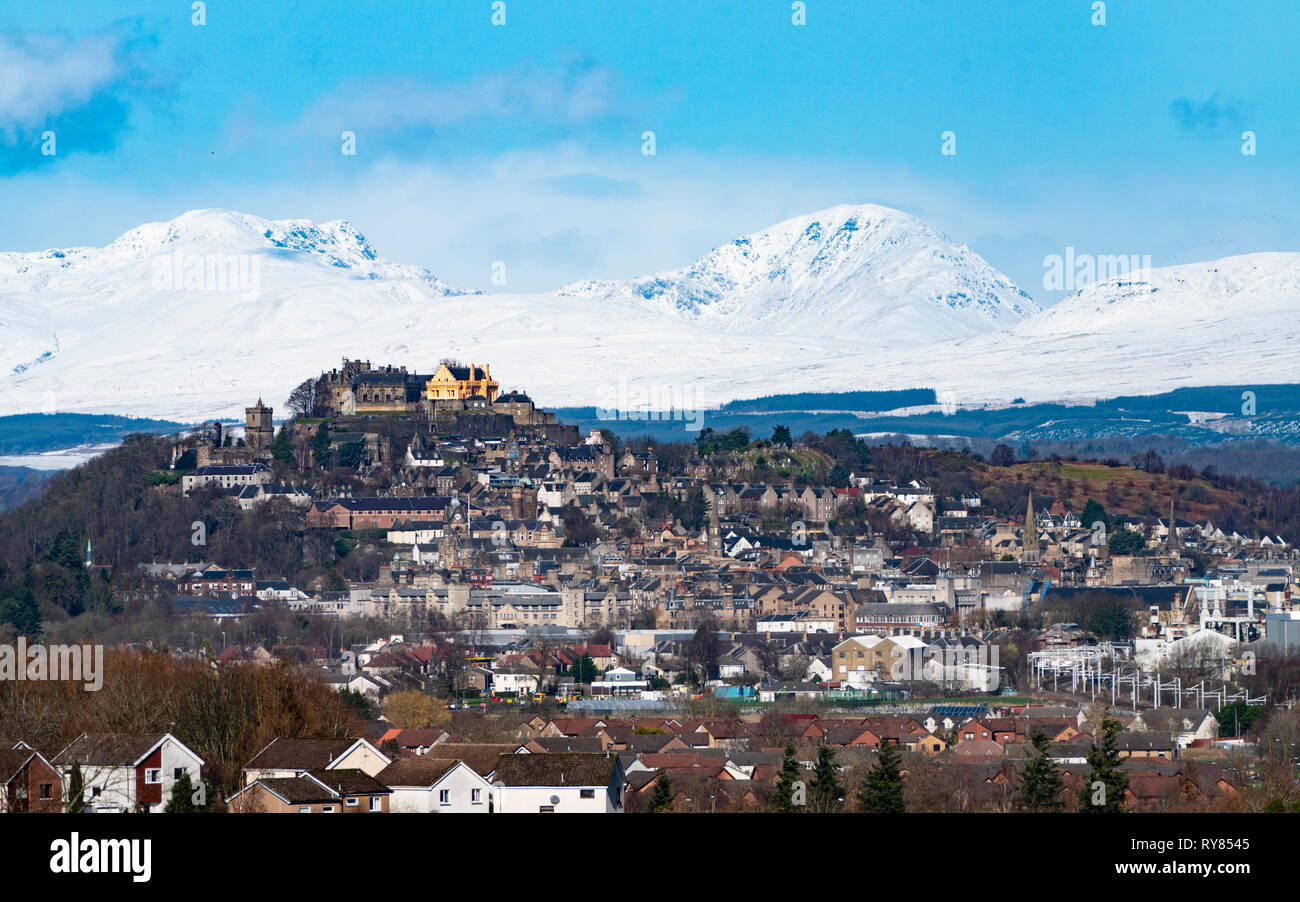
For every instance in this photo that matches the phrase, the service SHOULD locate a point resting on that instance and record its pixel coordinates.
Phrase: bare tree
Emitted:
(302, 400)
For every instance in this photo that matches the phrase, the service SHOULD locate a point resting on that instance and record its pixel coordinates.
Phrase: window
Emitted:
(352, 803)
(476, 796)
(176, 772)
(327, 809)
(546, 809)
(376, 803)
(444, 796)
(305, 809)
(587, 793)
(47, 790)
(153, 775)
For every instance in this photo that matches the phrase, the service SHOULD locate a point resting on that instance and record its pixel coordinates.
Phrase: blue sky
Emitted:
(522, 143)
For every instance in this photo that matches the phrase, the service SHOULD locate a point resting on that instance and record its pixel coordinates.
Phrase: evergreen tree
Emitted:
(782, 800)
(182, 799)
(76, 790)
(282, 448)
(1093, 512)
(320, 445)
(881, 791)
(1040, 782)
(661, 798)
(23, 611)
(825, 789)
(1104, 760)
(584, 669)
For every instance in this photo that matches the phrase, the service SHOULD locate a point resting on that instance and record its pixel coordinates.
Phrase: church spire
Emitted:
(1029, 536)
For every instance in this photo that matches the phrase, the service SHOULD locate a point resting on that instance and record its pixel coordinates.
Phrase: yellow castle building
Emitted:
(458, 383)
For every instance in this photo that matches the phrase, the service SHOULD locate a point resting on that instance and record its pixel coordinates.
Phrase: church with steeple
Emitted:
(1029, 550)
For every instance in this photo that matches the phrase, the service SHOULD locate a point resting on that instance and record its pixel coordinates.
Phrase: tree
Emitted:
(584, 669)
(1093, 512)
(282, 447)
(186, 797)
(320, 445)
(351, 454)
(661, 798)
(1002, 456)
(1103, 792)
(782, 801)
(358, 702)
(23, 611)
(1236, 718)
(703, 651)
(1112, 619)
(881, 791)
(1040, 782)
(1126, 541)
(781, 436)
(302, 400)
(411, 709)
(825, 791)
(76, 790)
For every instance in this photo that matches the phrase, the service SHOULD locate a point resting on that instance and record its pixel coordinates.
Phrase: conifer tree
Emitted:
(1040, 782)
(1103, 792)
(783, 798)
(661, 799)
(825, 789)
(76, 790)
(881, 791)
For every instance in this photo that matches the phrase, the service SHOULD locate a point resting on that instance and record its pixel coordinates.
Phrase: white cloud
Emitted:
(574, 95)
(44, 76)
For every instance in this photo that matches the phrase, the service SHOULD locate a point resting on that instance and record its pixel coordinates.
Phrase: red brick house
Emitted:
(29, 782)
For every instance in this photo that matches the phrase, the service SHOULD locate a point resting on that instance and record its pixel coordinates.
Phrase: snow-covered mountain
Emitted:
(197, 317)
(850, 270)
(1223, 322)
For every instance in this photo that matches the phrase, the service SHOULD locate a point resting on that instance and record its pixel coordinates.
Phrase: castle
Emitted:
(358, 387)
(258, 431)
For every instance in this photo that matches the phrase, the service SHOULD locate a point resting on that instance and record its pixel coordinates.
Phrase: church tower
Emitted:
(1029, 537)
(258, 431)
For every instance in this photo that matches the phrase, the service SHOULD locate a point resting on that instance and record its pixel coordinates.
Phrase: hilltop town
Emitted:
(450, 578)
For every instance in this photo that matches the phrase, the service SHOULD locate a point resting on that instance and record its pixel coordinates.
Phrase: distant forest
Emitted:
(33, 433)
(843, 400)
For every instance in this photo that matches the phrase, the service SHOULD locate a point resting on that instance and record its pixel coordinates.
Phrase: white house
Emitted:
(295, 757)
(563, 782)
(619, 681)
(516, 680)
(128, 772)
(436, 786)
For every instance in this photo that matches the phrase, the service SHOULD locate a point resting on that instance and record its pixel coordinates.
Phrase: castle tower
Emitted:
(1029, 537)
(258, 431)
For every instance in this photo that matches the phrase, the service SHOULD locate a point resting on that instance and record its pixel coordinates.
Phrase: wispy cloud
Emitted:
(76, 88)
(576, 94)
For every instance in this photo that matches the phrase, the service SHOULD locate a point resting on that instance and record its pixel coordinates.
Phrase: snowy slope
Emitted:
(857, 270)
(1229, 321)
(849, 298)
(94, 329)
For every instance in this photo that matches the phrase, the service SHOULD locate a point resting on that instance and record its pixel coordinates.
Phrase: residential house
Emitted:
(128, 772)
